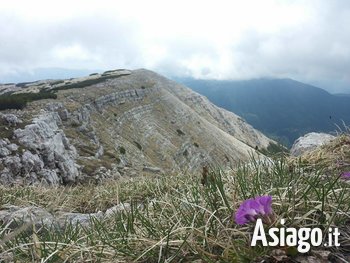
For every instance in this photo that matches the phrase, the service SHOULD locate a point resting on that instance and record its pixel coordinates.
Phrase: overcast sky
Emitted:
(305, 40)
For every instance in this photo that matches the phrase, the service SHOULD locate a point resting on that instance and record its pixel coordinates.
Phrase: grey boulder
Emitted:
(310, 142)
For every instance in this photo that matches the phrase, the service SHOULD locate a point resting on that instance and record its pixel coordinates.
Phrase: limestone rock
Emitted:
(310, 142)
(14, 164)
(45, 137)
(15, 216)
(11, 119)
(117, 209)
(64, 114)
(12, 147)
(49, 177)
(65, 218)
(6, 177)
(152, 169)
(31, 162)
(4, 151)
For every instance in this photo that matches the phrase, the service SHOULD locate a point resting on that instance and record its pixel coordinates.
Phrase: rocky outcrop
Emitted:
(10, 119)
(14, 216)
(310, 142)
(46, 157)
(120, 123)
(5, 148)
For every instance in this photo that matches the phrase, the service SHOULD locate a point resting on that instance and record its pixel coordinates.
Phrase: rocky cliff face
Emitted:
(118, 123)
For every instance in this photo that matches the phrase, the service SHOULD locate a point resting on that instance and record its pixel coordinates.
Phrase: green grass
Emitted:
(177, 218)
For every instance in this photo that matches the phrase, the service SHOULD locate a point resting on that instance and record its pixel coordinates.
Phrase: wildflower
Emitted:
(345, 176)
(251, 209)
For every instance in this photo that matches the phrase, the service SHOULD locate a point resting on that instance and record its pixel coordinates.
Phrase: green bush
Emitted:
(19, 101)
(23, 84)
(138, 145)
(179, 132)
(88, 82)
(122, 150)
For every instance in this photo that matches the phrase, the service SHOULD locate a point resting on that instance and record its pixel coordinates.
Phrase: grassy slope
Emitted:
(181, 219)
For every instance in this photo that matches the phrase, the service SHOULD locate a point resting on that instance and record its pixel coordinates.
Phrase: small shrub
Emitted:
(55, 82)
(122, 150)
(88, 82)
(19, 101)
(23, 84)
(179, 132)
(138, 145)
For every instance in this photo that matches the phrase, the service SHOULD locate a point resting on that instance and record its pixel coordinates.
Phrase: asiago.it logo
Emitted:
(259, 210)
(302, 238)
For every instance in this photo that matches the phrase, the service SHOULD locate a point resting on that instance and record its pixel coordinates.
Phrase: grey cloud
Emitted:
(26, 44)
(315, 52)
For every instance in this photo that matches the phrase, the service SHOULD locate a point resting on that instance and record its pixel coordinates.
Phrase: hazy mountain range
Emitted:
(43, 73)
(281, 108)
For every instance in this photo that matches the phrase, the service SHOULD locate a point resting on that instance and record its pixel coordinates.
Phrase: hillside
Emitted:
(119, 123)
(281, 108)
(183, 218)
(123, 124)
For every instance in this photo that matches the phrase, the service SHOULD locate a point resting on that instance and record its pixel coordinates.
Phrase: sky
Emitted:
(305, 40)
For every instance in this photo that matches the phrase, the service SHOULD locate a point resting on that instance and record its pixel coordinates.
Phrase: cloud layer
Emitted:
(306, 40)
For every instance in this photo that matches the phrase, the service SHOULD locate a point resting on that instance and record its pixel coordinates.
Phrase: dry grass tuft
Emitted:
(332, 156)
(185, 218)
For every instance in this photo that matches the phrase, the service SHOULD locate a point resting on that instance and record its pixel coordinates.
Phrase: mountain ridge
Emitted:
(118, 123)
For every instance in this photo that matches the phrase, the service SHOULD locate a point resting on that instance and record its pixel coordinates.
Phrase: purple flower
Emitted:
(254, 208)
(345, 176)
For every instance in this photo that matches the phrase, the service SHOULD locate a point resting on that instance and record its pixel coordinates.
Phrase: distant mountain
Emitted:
(281, 108)
(342, 94)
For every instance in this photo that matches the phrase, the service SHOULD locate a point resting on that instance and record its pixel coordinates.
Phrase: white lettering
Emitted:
(303, 237)
(316, 237)
(336, 235)
(274, 237)
(259, 234)
(291, 239)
